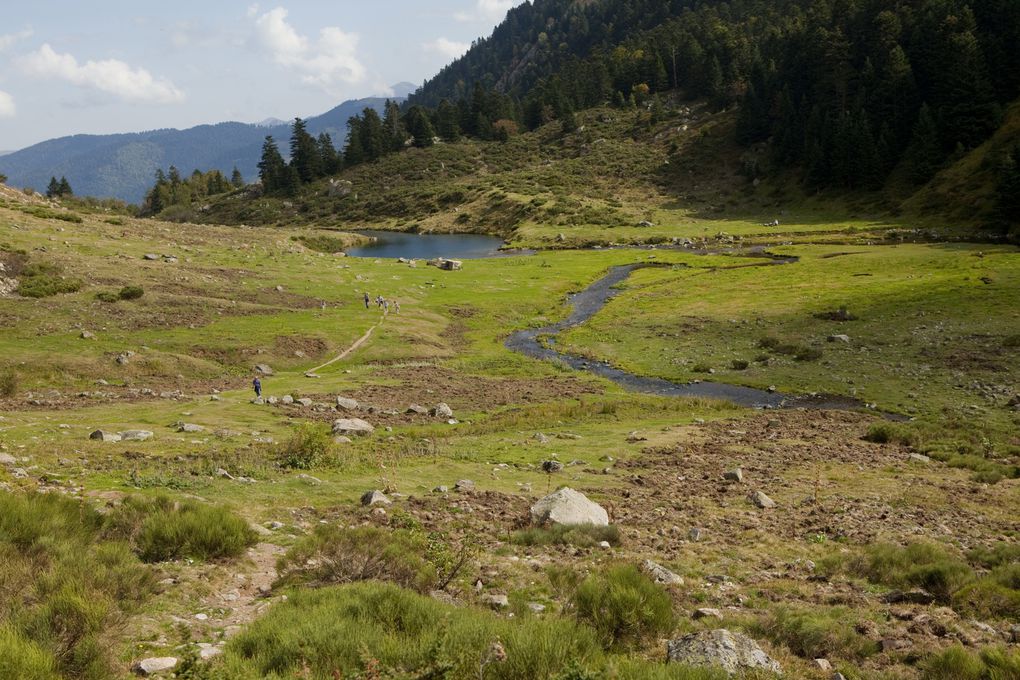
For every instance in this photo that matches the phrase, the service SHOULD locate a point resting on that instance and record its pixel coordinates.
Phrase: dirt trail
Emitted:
(357, 343)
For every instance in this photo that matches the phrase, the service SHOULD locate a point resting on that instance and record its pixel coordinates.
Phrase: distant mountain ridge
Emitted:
(123, 165)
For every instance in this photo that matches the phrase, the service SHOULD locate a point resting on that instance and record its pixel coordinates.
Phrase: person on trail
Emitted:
(386, 306)
(396, 306)
(366, 299)
(257, 386)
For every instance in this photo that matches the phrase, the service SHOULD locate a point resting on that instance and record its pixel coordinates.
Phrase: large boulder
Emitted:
(104, 436)
(661, 574)
(264, 369)
(375, 498)
(155, 665)
(135, 435)
(345, 404)
(442, 410)
(352, 426)
(733, 652)
(567, 506)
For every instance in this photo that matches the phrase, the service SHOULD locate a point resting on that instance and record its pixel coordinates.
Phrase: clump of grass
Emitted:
(161, 529)
(45, 280)
(1011, 341)
(997, 555)
(64, 586)
(624, 606)
(769, 342)
(739, 365)
(381, 629)
(580, 535)
(818, 632)
(8, 383)
(130, 293)
(917, 565)
(308, 446)
(957, 663)
(334, 555)
(891, 433)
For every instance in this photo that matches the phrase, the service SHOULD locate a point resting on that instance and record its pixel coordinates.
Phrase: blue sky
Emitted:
(106, 66)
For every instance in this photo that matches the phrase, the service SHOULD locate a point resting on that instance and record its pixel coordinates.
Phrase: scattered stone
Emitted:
(308, 479)
(823, 664)
(87, 335)
(355, 426)
(695, 534)
(496, 601)
(415, 409)
(536, 607)
(567, 506)
(540, 438)
(464, 485)
(210, 652)
(189, 427)
(919, 458)
(551, 466)
(345, 404)
(286, 400)
(661, 574)
(375, 498)
(135, 435)
(736, 475)
(442, 488)
(342, 440)
(220, 472)
(150, 257)
(7, 459)
(635, 437)
(445, 264)
(441, 410)
(304, 401)
(706, 613)
(104, 436)
(605, 545)
(839, 338)
(838, 676)
(155, 664)
(733, 652)
(762, 501)
(264, 369)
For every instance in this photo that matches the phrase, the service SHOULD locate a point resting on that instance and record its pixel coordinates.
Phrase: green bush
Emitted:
(161, 529)
(739, 365)
(818, 632)
(105, 296)
(624, 606)
(130, 293)
(8, 383)
(917, 565)
(956, 663)
(889, 433)
(308, 446)
(335, 555)
(343, 631)
(22, 658)
(998, 555)
(582, 535)
(45, 280)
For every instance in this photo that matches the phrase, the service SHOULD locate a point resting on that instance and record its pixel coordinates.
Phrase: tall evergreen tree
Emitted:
(53, 188)
(304, 153)
(925, 155)
(420, 127)
(236, 180)
(328, 155)
(271, 166)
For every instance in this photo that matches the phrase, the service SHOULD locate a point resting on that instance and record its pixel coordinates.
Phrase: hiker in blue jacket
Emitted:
(257, 385)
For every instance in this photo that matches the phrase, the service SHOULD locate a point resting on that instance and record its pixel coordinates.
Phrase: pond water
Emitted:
(427, 246)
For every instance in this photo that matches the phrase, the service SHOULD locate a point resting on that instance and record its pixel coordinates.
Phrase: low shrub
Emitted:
(623, 606)
(334, 555)
(161, 529)
(130, 293)
(807, 354)
(582, 535)
(769, 342)
(106, 296)
(891, 433)
(957, 663)
(996, 595)
(381, 630)
(8, 383)
(1011, 341)
(45, 280)
(917, 565)
(739, 365)
(308, 446)
(818, 632)
(997, 555)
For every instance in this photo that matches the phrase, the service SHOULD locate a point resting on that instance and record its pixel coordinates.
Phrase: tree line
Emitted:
(172, 190)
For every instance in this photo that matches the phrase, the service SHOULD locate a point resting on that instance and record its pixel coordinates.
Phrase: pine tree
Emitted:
(236, 180)
(446, 121)
(420, 127)
(1008, 189)
(65, 187)
(329, 157)
(354, 150)
(392, 127)
(304, 153)
(53, 188)
(271, 166)
(374, 139)
(925, 155)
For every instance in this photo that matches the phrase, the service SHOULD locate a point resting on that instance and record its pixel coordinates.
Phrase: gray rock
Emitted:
(442, 488)
(464, 485)
(551, 466)
(345, 404)
(919, 458)
(441, 410)
(103, 436)
(264, 369)
(272, 401)
(567, 506)
(87, 335)
(135, 435)
(415, 409)
(155, 665)
(7, 459)
(541, 438)
(839, 338)
(823, 665)
(735, 475)
(696, 534)
(220, 472)
(189, 427)
(150, 257)
(661, 574)
(375, 498)
(207, 653)
(342, 440)
(762, 501)
(287, 399)
(536, 607)
(706, 613)
(351, 426)
(720, 648)
(304, 401)
(496, 601)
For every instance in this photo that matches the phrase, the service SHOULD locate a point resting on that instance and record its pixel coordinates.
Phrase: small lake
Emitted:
(395, 244)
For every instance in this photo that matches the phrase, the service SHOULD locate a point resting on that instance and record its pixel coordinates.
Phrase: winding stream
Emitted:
(589, 301)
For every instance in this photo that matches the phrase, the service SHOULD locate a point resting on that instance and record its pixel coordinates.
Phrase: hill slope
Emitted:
(122, 165)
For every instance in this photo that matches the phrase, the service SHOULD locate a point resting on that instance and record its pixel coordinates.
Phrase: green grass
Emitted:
(957, 663)
(584, 535)
(819, 632)
(624, 607)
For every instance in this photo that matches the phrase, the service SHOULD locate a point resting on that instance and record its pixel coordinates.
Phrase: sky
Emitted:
(71, 67)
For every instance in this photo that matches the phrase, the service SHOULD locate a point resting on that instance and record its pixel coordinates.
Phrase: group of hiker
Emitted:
(382, 303)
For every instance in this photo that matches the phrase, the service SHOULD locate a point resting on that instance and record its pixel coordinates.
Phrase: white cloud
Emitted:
(327, 63)
(109, 75)
(487, 10)
(7, 109)
(446, 47)
(7, 40)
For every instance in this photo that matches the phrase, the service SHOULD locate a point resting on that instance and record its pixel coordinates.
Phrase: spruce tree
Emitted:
(53, 188)
(420, 127)
(925, 155)
(271, 166)
(236, 180)
(304, 153)
(328, 155)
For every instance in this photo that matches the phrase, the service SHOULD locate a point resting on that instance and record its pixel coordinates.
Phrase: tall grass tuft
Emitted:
(624, 606)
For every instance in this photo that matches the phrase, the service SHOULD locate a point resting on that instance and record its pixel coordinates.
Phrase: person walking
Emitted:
(366, 299)
(386, 306)
(396, 306)
(257, 386)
